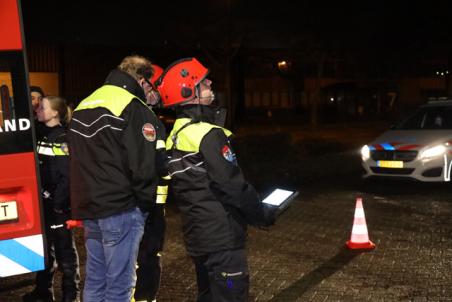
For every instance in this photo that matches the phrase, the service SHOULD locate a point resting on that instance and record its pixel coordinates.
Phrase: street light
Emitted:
(284, 66)
(442, 72)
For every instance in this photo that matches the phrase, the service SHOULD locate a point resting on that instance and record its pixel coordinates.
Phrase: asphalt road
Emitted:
(302, 257)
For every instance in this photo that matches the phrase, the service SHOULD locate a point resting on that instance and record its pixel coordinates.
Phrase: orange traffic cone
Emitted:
(359, 238)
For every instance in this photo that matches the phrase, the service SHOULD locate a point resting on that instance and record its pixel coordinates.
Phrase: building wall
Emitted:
(274, 92)
(74, 71)
(409, 90)
(48, 81)
(414, 91)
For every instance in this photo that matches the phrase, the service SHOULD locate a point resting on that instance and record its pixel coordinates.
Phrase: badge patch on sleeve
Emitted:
(228, 154)
(149, 132)
(65, 148)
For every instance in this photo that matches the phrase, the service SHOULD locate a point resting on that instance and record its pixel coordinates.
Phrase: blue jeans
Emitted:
(111, 254)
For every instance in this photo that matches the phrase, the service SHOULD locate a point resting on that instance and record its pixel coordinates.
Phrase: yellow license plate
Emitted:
(8, 211)
(390, 163)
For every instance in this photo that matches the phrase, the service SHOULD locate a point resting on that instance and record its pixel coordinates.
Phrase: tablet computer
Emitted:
(280, 198)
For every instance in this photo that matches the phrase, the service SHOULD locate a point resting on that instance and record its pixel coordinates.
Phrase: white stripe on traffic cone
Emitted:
(359, 238)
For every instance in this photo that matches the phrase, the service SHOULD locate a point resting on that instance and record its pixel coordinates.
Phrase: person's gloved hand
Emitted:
(269, 214)
(71, 224)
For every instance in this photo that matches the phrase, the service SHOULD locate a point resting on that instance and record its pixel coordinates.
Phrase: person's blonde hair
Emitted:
(137, 66)
(60, 105)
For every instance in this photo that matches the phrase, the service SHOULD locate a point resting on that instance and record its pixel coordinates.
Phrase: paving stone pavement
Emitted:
(302, 258)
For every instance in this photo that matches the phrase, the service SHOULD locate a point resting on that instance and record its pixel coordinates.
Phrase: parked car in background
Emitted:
(418, 147)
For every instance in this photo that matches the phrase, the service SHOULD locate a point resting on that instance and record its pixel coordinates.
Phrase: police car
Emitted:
(419, 147)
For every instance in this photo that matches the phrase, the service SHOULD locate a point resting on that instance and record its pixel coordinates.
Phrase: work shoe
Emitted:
(34, 296)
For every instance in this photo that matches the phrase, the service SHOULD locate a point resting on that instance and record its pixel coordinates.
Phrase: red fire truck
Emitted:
(21, 227)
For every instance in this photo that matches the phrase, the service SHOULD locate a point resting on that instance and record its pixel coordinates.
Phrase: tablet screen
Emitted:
(277, 197)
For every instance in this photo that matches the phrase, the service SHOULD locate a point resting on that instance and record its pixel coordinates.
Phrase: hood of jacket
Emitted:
(202, 113)
(124, 80)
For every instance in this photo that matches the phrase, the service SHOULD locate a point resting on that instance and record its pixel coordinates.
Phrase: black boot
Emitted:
(70, 286)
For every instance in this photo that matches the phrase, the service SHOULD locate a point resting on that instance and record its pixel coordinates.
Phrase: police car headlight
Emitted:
(433, 152)
(365, 153)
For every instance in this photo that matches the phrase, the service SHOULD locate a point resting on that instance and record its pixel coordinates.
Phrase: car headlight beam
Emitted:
(433, 152)
(365, 153)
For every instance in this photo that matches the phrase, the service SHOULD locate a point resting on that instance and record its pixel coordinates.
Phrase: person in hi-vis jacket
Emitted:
(215, 201)
(53, 114)
(113, 141)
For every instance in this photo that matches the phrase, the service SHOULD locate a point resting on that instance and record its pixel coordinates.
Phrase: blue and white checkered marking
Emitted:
(21, 255)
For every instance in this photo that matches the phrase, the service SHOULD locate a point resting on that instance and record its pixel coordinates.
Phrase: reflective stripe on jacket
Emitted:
(53, 154)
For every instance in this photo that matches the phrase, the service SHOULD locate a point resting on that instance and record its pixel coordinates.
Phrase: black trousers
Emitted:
(61, 253)
(222, 276)
(149, 257)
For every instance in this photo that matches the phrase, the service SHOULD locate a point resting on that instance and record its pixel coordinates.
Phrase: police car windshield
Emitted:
(428, 118)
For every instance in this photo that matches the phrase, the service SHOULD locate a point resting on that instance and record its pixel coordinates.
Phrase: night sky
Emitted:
(383, 25)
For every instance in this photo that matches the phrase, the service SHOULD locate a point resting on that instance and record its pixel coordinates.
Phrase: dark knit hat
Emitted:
(37, 89)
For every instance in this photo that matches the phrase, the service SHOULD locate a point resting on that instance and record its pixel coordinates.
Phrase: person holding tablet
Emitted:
(215, 200)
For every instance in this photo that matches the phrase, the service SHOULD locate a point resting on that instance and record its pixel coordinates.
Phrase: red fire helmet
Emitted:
(157, 73)
(178, 82)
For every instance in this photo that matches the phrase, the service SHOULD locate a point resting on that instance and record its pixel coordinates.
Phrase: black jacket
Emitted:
(113, 151)
(54, 168)
(215, 200)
